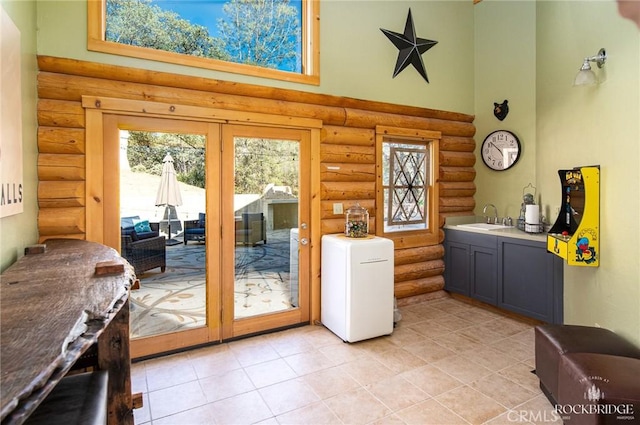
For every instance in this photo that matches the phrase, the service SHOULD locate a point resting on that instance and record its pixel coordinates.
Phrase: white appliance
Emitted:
(357, 286)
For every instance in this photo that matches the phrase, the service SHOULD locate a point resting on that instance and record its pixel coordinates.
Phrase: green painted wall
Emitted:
(594, 125)
(21, 230)
(356, 59)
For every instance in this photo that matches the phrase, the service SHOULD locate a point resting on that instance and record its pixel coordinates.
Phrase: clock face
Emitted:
(500, 150)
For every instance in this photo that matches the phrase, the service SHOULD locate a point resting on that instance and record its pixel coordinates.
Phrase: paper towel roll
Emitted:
(532, 214)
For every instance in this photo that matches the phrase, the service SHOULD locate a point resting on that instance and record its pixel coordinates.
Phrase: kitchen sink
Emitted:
(484, 226)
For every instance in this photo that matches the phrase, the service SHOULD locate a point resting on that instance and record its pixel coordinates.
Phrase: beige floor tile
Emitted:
(342, 353)
(431, 328)
(462, 368)
(176, 399)
(214, 365)
(226, 385)
(329, 382)
(244, 408)
(405, 335)
(429, 350)
(480, 335)
(431, 380)
(366, 371)
(321, 337)
(392, 419)
(455, 323)
(526, 337)
(287, 344)
(269, 373)
(248, 355)
(503, 390)
(315, 413)
(450, 306)
(202, 415)
(490, 358)
(166, 361)
(357, 407)
(397, 393)
(507, 326)
(288, 395)
(399, 360)
(375, 345)
(305, 363)
(472, 405)
(510, 417)
(138, 378)
(457, 342)
(170, 375)
(430, 412)
(521, 374)
(514, 349)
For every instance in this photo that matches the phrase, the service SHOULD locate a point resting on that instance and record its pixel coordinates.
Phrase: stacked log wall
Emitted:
(347, 151)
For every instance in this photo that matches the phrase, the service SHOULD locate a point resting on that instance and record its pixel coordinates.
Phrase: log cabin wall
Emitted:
(347, 151)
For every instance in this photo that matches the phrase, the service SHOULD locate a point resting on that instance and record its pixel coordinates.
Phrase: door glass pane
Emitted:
(162, 192)
(266, 225)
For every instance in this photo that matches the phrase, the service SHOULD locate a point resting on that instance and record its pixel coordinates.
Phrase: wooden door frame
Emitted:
(96, 180)
(232, 327)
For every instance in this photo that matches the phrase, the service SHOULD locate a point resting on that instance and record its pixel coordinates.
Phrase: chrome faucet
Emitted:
(484, 211)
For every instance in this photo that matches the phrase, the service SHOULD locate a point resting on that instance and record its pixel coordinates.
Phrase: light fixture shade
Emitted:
(585, 77)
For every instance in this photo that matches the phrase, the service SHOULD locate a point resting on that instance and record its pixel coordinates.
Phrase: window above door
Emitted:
(205, 34)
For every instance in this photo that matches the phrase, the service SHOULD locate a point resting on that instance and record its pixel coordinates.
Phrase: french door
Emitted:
(265, 228)
(248, 270)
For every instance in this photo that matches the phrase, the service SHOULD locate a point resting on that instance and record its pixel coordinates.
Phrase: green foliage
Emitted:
(265, 33)
(139, 23)
(262, 32)
(263, 161)
(146, 151)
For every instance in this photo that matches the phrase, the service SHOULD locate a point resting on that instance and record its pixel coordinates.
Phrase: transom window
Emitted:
(408, 163)
(275, 39)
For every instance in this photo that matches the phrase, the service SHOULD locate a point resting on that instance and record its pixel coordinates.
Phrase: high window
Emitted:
(408, 165)
(275, 39)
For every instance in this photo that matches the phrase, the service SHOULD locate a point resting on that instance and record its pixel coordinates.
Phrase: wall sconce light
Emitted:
(586, 77)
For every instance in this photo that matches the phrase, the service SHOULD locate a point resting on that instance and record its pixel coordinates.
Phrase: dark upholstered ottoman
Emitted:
(598, 389)
(553, 341)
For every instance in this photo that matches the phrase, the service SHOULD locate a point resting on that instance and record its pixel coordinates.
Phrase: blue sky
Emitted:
(201, 12)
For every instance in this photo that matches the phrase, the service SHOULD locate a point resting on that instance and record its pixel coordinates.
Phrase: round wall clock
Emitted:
(500, 150)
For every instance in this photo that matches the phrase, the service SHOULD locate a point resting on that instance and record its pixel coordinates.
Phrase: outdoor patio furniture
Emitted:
(251, 229)
(194, 230)
(143, 248)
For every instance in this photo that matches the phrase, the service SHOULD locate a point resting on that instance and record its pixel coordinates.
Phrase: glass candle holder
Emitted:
(357, 222)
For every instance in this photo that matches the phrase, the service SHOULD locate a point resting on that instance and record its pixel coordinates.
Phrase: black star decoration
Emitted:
(410, 48)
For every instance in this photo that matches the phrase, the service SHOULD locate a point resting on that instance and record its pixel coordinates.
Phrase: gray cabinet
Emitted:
(471, 265)
(514, 274)
(530, 280)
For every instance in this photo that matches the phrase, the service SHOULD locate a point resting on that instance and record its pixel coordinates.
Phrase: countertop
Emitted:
(452, 223)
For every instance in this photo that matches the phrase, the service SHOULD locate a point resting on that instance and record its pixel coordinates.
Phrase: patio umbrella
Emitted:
(168, 192)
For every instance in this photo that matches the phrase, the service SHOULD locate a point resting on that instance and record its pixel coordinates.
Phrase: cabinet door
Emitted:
(456, 260)
(483, 277)
(528, 278)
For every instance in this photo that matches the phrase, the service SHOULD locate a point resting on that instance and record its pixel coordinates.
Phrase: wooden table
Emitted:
(54, 306)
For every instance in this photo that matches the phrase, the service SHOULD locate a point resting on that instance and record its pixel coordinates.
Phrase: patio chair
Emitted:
(194, 230)
(143, 247)
(251, 229)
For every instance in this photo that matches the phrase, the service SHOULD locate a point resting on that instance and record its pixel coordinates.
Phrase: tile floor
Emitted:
(447, 362)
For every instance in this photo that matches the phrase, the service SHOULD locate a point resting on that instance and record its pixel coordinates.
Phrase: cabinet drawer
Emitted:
(470, 238)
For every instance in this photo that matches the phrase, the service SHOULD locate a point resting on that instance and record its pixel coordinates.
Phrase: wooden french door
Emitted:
(265, 228)
(238, 253)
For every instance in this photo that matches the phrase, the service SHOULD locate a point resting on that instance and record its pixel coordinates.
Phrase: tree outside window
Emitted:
(267, 38)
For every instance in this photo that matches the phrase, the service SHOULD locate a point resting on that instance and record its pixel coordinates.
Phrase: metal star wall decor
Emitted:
(410, 48)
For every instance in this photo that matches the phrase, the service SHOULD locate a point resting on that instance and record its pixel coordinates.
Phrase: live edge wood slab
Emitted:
(54, 306)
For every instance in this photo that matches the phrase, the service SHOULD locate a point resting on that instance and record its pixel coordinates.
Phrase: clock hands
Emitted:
(497, 148)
